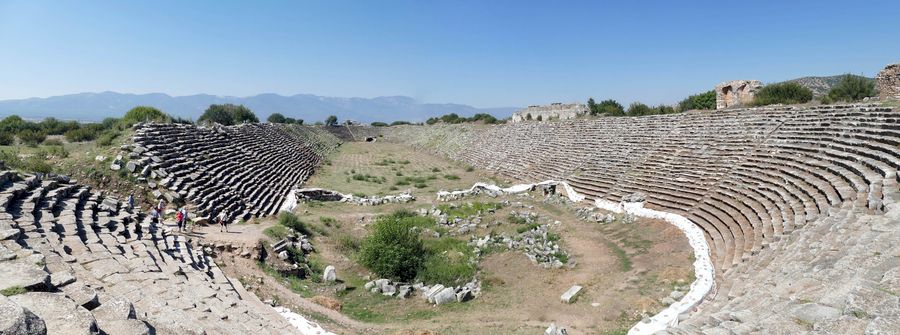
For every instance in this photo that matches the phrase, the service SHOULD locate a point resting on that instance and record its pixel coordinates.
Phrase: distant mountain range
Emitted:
(821, 85)
(311, 108)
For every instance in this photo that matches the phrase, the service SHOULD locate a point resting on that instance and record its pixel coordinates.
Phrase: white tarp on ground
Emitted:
(703, 268)
(305, 326)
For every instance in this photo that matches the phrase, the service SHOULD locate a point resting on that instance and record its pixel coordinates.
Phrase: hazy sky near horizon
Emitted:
(482, 53)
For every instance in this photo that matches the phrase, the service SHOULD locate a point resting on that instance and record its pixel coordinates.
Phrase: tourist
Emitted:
(223, 222)
(179, 220)
(161, 206)
(184, 217)
(154, 216)
(131, 201)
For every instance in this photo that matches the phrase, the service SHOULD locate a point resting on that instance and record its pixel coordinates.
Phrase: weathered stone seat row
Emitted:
(245, 171)
(746, 176)
(89, 266)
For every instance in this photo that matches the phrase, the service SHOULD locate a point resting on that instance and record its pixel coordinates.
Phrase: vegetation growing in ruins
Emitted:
(702, 101)
(608, 107)
(453, 118)
(393, 249)
(144, 114)
(379, 124)
(640, 109)
(279, 118)
(851, 88)
(13, 290)
(227, 115)
(331, 121)
(782, 93)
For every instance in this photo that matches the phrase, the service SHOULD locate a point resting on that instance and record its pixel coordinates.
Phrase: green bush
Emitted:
(7, 138)
(13, 290)
(379, 124)
(348, 244)
(851, 88)
(52, 126)
(107, 138)
(31, 137)
(448, 262)
(393, 249)
(227, 115)
(702, 101)
(782, 93)
(399, 123)
(331, 121)
(276, 232)
(144, 114)
(277, 118)
(607, 107)
(83, 134)
(639, 109)
(53, 142)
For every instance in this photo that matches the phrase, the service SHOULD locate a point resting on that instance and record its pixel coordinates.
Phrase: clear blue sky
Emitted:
(483, 53)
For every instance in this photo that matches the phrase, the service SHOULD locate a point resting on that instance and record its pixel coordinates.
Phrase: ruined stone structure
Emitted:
(243, 171)
(887, 82)
(91, 267)
(555, 111)
(736, 93)
(798, 205)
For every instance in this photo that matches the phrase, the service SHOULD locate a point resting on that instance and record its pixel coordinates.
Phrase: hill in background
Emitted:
(311, 108)
(820, 85)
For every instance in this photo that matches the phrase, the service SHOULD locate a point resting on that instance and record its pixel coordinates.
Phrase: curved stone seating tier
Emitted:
(245, 171)
(798, 204)
(747, 176)
(89, 266)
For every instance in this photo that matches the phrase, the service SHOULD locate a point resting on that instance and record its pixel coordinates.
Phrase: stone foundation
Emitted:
(887, 82)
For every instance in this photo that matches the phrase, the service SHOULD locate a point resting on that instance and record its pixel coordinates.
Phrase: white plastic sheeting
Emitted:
(305, 326)
(703, 268)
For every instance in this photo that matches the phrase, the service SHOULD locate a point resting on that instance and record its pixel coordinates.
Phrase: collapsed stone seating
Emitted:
(90, 267)
(749, 178)
(245, 171)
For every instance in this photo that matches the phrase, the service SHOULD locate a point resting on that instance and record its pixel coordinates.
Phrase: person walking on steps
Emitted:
(179, 219)
(184, 218)
(223, 222)
(154, 216)
(131, 202)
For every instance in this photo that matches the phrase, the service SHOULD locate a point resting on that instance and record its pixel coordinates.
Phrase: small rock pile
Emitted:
(590, 215)
(535, 243)
(436, 294)
(401, 198)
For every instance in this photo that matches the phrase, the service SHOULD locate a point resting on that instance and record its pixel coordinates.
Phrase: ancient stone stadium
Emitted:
(778, 219)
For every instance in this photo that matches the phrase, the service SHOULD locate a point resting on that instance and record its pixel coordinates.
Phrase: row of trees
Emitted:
(453, 118)
(611, 107)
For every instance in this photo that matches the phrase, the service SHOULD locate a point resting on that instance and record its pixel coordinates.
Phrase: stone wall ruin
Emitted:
(736, 93)
(554, 111)
(887, 82)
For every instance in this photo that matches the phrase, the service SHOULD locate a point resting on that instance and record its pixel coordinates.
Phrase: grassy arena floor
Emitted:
(625, 268)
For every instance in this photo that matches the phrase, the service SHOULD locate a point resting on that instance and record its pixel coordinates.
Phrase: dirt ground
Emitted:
(625, 269)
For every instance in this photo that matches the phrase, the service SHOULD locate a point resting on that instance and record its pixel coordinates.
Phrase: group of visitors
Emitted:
(182, 219)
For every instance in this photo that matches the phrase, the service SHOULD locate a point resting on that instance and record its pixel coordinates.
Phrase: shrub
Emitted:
(31, 137)
(276, 232)
(851, 88)
(83, 134)
(107, 138)
(451, 177)
(398, 123)
(331, 120)
(609, 107)
(227, 115)
(393, 249)
(53, 142)
(277, 118)
(144, 114)
(348, 243)
(702, 101)
(52, 126)
(7, 138)
(290, 220)
(638, 109)
(447, 262)
(782, 93)
(379, 124)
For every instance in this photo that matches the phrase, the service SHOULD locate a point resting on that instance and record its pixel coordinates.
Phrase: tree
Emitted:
(379, 124)
(851, 88)
(639, 109)
(592, 106)
(398, 123)
(702, 101)
(6, 138)
(331, 120)
(31, 137)
(610, 107)
(144, 114)
(782, 93)
(277, 118)
(227, 115)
